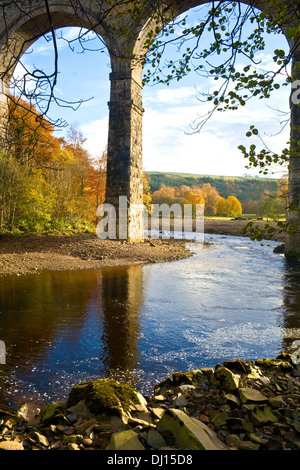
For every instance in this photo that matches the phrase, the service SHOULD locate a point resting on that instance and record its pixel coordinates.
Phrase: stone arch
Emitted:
(22, 27)
(176, 8)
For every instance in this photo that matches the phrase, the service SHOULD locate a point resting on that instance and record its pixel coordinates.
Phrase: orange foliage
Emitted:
(207, 195)
(30, 136)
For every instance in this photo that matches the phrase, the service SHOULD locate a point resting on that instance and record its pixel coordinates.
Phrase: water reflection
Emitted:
(122, 298)
(65, 327)
(136, 323)
(290, 319)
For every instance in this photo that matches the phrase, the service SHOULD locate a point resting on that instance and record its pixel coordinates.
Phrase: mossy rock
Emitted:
(4, 413)
(179, 378)
(73, 439)
(286, 358)
(49, 413)
(238, 365)
(104, 396)
(275, 364)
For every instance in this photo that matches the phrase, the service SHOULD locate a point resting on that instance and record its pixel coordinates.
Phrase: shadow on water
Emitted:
(290, 319)
(66, 327)
(136, 323)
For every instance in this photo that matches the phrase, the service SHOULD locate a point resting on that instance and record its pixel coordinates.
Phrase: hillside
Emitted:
(244, 188)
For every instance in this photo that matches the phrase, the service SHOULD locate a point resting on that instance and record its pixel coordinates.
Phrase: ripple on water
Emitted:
(137, 324)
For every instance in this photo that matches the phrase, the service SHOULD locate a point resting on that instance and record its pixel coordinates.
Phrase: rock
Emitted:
(262, 414)
(276, 402)
(104, 396)
(73, 439)
(227, 380)
(240, 424)
(257, 439)
(48, 413)
(87, 442)
(72, 417)
(185, 388)
(40, 439)
(176, 379)
(139, 422)
(248, 445)
(238, 365)
(11, 445)
(181, 401)
(72, 446)
(28, 412)
(248, 394)
(155, 439)
(232, 400)
(145, 416)
(279, 249)
(85, 426)
(208, 372)
(233, 440)
(159, 398)
(204, 419)
(293, 438)
(190, 434)
(157, 412)
(125, 440)
(219, 418)
(276, 364)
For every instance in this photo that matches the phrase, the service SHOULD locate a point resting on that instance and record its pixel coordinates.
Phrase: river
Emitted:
(233, 298)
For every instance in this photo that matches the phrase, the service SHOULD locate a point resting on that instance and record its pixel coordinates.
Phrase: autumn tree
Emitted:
(46, 183)
(165, 195)
(29, 137)
(147, 197)
(230, 207)
(194, 198)
(210, 195)
(234, 207)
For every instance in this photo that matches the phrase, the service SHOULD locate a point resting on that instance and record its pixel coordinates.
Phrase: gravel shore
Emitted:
(32, 254)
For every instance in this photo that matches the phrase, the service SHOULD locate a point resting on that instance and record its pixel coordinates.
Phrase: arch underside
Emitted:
(22, 29)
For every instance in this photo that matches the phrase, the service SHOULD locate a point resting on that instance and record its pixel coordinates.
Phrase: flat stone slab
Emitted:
(125, 440)
(251, 395)
(11, 445)
(190, 433)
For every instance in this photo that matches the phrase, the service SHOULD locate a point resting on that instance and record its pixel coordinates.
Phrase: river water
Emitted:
(233, 298)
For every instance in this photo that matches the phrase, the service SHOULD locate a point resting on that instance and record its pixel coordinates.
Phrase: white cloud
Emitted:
(214, 150)
(96, 134)
(170, 96)
(169, 145)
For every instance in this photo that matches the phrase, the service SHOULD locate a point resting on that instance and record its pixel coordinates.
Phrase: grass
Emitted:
(194, 175)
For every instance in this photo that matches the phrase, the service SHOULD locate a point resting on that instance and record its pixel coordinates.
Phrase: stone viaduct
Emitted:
(124, 32)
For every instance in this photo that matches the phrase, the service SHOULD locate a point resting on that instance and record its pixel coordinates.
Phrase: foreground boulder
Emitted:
(104, 396)
(189, 433)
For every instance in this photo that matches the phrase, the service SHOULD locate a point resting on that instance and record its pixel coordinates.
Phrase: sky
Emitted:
(169, 144)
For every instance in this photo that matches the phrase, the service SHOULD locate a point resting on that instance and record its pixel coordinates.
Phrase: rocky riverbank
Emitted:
(237, 405)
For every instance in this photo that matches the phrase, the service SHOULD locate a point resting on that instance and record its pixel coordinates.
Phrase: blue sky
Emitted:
(169, 111)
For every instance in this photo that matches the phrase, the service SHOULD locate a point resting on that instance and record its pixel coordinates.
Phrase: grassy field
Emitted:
(221, 177)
